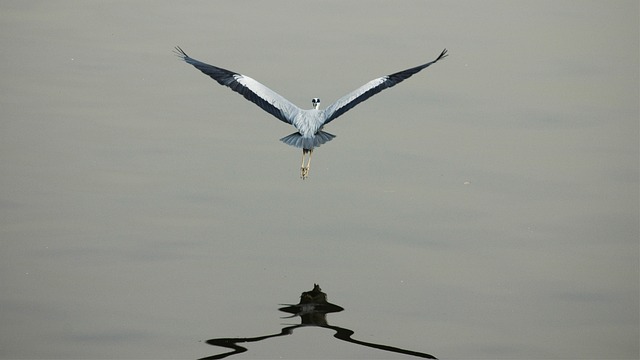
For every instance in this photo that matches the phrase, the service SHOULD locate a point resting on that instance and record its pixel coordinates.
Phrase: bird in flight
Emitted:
(308, 123)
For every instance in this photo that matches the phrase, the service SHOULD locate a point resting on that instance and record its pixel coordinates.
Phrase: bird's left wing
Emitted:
(252, 90)
(371, 88)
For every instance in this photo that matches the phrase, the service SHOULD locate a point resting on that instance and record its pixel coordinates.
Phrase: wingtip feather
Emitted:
(180, 53)
(443, 54)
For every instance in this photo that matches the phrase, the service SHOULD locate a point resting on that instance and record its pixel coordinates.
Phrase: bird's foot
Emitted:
(304, 172)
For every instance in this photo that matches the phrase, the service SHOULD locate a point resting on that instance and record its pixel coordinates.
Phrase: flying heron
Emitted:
(308, 123)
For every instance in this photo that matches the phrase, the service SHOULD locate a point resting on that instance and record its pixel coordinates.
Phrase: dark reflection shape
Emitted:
(312, 309)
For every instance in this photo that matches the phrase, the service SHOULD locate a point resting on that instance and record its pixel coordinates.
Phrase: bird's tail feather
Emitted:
(299, 141)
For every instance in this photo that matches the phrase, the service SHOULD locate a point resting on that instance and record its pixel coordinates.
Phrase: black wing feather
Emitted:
(373, 87)
(230, 79)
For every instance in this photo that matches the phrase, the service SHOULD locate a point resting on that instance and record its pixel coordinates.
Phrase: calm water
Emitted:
(485, 208)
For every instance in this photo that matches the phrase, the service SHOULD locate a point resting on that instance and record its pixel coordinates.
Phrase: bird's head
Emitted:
(315, 102)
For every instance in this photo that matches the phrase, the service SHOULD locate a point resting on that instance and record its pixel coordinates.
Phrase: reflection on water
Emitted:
(312, 309)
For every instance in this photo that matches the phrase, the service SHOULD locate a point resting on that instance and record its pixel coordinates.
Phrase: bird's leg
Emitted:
(304, 170)
(302, 163)
(309, 161)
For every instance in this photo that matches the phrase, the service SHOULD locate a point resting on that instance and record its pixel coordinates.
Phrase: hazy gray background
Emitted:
(144, 208)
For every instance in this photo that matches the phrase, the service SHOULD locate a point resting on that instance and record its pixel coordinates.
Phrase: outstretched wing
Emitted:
(371, 88)
(265, 98)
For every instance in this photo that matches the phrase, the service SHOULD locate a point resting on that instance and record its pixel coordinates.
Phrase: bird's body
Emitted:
(308, 123)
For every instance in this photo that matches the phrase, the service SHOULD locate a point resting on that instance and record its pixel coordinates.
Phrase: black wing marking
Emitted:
(371, 88)
(252, 90)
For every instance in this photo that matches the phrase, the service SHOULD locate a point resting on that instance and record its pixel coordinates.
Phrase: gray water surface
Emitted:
(485, 208)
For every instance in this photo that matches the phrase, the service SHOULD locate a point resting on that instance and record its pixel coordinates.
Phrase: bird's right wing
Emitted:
(265, 98)
(371, 88)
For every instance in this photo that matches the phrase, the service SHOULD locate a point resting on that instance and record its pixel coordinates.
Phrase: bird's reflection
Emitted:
(312, 310)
